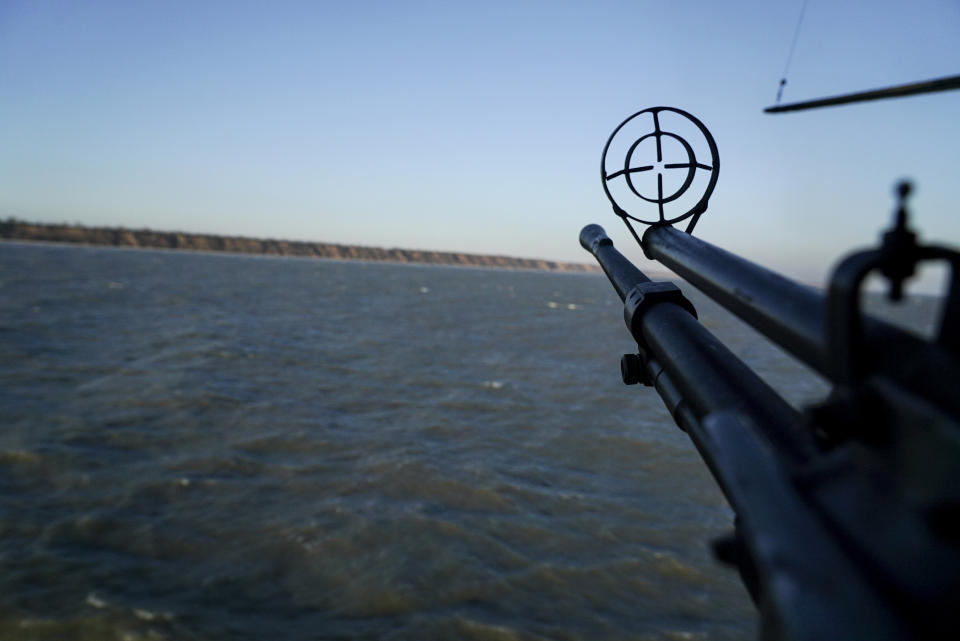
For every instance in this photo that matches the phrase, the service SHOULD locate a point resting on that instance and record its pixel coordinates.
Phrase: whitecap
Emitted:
(95, 602)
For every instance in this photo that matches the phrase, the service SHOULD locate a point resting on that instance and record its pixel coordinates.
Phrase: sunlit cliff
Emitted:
(118, 237)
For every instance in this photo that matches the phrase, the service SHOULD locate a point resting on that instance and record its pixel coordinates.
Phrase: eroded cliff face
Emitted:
(18, 230)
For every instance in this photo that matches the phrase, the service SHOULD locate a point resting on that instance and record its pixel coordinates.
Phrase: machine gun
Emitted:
(848, 512)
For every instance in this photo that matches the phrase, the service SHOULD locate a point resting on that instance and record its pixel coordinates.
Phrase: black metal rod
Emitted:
(622, 273)
(709, 376)
(712, 379)
(927, 86)
(794, 316)
(786, 312)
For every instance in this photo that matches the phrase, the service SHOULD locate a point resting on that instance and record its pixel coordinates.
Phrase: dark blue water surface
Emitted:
(200, 446)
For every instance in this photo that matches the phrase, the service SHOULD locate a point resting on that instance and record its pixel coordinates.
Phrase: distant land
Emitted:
(17, 230)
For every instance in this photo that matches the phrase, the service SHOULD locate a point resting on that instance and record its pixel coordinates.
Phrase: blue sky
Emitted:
(469, 127)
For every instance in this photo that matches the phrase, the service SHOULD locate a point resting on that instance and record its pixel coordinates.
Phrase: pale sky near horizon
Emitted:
(470, 127)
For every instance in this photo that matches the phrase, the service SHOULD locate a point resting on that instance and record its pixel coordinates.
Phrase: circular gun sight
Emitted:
(663, 164)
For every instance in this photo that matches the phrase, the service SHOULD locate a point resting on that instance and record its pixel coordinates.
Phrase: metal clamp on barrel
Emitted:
(638, 301)
(645, 295)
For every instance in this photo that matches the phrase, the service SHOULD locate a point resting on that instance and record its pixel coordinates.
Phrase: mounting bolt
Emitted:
(904, 187)
(631, 369)
(898, 247)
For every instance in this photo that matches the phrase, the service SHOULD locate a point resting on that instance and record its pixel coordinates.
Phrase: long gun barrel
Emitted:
(691, 369)
(796, 318)
(848, 514)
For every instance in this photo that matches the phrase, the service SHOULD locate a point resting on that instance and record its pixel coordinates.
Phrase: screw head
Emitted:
(631, 369)
(904, 188)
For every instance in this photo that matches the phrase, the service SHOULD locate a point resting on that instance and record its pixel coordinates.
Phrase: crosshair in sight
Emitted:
(633, 165)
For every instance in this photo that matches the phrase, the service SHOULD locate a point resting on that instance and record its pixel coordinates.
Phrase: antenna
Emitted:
(793, 45)
(898, 91)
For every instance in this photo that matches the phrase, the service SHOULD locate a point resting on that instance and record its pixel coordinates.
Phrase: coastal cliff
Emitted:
(17, 230)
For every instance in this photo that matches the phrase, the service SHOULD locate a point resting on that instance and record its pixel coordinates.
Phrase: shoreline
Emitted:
(228, 254)
(62, 234)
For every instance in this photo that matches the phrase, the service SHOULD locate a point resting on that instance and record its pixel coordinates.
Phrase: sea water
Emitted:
(210, 446)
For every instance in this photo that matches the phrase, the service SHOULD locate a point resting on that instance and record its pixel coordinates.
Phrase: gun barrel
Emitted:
(788, 313)
(694, 372)
(795, 317)
(622, 273)
(864, 484)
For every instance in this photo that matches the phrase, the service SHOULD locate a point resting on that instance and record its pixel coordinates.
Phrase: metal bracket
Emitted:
(638, 302)
(896, 258)
(644, 295)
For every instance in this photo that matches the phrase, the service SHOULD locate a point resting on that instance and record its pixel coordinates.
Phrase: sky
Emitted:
(472, 127)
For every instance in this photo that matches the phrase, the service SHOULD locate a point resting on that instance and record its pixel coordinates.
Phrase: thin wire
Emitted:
(793, 46)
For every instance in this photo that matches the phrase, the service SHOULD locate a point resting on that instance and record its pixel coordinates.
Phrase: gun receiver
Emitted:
(848, 513)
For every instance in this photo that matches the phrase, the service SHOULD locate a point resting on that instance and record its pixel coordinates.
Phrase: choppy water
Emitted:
(229, 447)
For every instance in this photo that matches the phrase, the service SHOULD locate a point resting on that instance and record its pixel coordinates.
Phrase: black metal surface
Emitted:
(622, 273)
(880, 495)
(708, 376)
(857, 540)
(711, 378)
(847, 339)
(809, 586)
(794, 316)
(786, 312)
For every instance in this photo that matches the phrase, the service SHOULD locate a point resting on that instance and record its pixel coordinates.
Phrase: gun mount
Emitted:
(848, 513)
